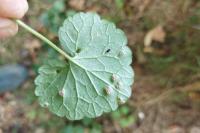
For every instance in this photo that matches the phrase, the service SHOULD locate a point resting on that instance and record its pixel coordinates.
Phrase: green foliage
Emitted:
(78, 128)
(123, 116)
(73, 129)
(96, 78)
(194, 18)
(119, 3)
(31, 115)
(55, 16)
(159, 64)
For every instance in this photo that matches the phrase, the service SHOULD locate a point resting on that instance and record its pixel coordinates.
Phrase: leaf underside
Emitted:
(97, 78)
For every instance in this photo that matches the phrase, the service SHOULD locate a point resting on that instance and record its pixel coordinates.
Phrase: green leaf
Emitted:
(119, 3)
(97, 77)
(124, 110)
(73, 129)
(126, 122)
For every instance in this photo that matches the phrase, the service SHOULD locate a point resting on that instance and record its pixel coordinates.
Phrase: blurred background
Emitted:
(164, 38)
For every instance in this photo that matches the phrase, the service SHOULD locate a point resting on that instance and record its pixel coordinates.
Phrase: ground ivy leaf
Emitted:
(97, 78)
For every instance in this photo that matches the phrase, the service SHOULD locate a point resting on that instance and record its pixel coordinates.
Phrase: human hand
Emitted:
(11, 9)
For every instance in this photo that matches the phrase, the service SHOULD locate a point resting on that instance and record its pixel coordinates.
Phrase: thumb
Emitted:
(13, 8)
(7, 28)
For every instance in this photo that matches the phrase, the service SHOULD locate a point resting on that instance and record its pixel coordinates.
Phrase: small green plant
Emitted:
(95, 78)
(55, 16)
(123, 116)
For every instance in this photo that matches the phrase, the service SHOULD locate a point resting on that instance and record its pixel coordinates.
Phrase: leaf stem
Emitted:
(43, 38)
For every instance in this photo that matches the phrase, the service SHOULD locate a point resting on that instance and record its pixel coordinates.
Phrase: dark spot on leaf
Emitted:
(78, 50)
(58, 71)
(107, 51)
(65, 60)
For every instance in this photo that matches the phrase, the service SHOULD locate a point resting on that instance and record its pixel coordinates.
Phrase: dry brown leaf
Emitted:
(77, 4)
(156, 34)
(194, 95)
